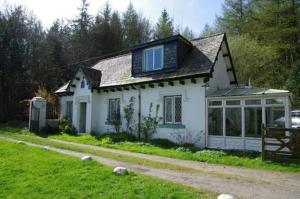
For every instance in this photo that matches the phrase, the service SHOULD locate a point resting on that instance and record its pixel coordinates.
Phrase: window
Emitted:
(275, 117)
(253, 120)
(69, 110)
(113, 110)
(253, 102)
(233, 102)
(215, 121)
(274, 101)
(215, 103)
(153, 58)
(82, 84)
(173, 110)
(233, 122)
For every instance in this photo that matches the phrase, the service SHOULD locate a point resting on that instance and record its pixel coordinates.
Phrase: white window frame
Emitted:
(153, 58)
(173, 97)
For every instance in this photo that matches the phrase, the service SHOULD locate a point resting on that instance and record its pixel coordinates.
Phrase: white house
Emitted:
(194, 84)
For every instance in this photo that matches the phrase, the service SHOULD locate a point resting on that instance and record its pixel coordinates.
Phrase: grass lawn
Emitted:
(28, 172)
(248, 160)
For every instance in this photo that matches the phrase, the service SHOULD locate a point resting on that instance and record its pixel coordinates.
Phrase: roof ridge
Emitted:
(214, 35)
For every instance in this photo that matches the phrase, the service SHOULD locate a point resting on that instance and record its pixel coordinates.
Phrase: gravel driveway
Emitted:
(240, 182)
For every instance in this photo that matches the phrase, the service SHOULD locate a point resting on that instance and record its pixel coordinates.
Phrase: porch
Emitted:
(235, 116)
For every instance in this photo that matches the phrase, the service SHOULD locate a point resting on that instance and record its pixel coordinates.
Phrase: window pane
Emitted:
(148, 60)
(233, 102)
(253, 102)
(82, 83)
(215, 103)
(274, 101)
(168, 109)
(233, 122)
(275, 117)
(158, 58)
(253, 120)
(177, 109)
(215, 121)
(114, 109)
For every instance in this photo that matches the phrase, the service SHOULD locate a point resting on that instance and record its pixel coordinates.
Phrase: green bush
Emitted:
(65, 126)
(117, 137)
(106, 140)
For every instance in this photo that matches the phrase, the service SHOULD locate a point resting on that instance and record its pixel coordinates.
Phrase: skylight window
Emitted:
(153, 58)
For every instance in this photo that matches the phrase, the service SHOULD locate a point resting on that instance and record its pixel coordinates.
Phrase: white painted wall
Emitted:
(193, 109)
(80, 95)
(220, 78)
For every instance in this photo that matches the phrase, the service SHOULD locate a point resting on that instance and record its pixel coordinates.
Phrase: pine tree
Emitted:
(81, 25)
(188, 33)
(136, 28)
(164, 27)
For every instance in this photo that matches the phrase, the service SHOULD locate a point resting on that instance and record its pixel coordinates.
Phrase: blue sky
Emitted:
(192, 13)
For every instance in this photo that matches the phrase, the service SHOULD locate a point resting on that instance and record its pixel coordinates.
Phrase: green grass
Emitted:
(123, 158)
(230, 158)
(29, 172)
(6, 127)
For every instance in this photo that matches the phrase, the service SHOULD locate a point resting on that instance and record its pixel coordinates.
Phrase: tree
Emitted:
(208, 31)
(254, 61)
(136, 28)
(21, 58)
(188, 33)
(101, 32)
(56, 43)
(81, 41)
(164, 27)
(235, 16)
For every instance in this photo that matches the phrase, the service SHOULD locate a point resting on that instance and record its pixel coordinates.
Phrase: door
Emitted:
(82, 118)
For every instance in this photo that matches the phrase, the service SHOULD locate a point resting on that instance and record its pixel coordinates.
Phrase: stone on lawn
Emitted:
(225, 196)
(120, 171)
(20, 142)
(86, 157)
(46, 147)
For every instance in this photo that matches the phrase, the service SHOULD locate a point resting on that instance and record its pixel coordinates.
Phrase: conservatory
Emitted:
(234, 116)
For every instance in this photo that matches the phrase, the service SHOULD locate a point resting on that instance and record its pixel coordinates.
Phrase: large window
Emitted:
(153, 58)
(113, 110)
(173, 110)
(69, 110)
(233, 122)
(275, 117)
(253, 120)
(215, 121)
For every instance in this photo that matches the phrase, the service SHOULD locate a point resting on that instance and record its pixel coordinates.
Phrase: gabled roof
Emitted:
(199, 62)
(117, 70)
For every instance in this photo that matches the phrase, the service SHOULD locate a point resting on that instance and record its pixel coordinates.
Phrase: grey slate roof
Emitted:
(239, 91)
(116, 71)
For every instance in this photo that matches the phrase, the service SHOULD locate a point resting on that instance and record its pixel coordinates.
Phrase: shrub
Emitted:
(128, 114)
(65, 126)
(149, 123)
(182, 149)
(117, 137)
(106, 140)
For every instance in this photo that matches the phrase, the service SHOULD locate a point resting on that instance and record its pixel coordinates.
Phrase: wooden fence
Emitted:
(281, 144)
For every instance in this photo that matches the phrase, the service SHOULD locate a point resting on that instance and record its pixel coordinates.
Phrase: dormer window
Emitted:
(153, 58)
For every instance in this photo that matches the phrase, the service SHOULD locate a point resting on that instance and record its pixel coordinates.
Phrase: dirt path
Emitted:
(243, 183)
